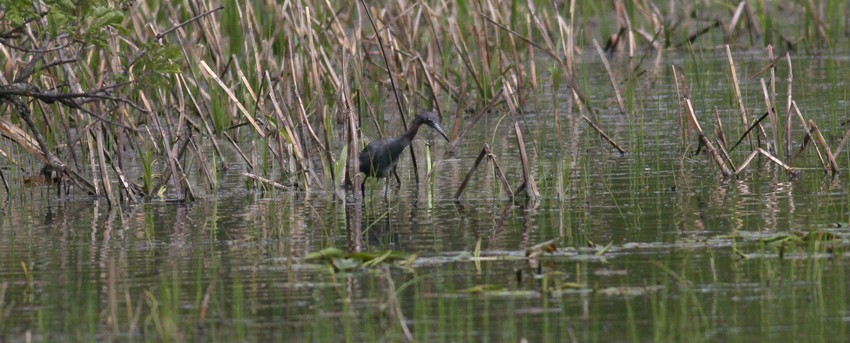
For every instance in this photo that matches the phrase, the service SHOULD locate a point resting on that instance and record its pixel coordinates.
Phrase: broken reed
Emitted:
(267, 81)
(769, 137)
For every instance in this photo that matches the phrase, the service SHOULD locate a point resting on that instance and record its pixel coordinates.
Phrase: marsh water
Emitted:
(652, 245)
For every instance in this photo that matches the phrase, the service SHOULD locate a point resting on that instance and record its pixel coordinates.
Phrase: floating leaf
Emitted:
(346, 263)
(369, 256)
(816, 236)
(379, 259)
(572, 285)
(409, 260)
(545, 247)
(327, 253)
(482, 289)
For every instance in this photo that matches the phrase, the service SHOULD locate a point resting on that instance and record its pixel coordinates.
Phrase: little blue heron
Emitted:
(381, 155)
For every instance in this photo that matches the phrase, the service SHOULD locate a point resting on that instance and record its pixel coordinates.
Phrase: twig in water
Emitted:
(611, 77)
(755, 124)
(485, 152)
(710, 147)
(603, 134)
(264, 181)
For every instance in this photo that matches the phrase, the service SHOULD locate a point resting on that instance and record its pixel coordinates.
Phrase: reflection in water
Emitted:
(678, 254)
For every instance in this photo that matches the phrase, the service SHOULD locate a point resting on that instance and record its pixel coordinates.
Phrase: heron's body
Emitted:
(381, 156)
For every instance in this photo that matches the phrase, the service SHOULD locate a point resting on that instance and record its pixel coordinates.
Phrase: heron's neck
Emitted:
(414, 127)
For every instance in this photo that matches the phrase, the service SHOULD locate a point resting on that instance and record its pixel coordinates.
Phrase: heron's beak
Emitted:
(437, 128)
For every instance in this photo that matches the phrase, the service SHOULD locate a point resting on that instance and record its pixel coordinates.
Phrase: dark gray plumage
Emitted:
(382, 155)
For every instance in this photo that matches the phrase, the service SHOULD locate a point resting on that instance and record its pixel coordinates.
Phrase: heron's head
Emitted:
(433, 120)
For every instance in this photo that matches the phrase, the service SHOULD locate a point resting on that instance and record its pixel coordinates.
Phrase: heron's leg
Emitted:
(395, 172)
(386, 199)
(363, 187)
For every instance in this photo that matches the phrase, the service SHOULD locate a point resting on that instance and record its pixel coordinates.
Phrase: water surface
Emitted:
(652, 245)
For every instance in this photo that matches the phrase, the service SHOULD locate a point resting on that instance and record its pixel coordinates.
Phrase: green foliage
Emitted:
(86, 21)
(158, 62)
(96, 24)
(147, 157)
(18, 12)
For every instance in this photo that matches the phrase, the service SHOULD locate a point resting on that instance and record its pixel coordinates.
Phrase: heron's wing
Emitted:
(369, 155)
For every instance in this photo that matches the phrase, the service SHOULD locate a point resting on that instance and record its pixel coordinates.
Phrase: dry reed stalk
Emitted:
(605, 63)
(353, 169)
(571, 46)
(788, 142)
(6, 188)
(472, 170)
(204, 120)
(463, 53)
(456, 92)
(706, 142)
(252, 147)
(401, 110)
(771, 115)
(776, 160)
(326, 129)
(741, 109)
(752, 22)
(265, 181)
(833, 166)
(499, 173)
(202, 159)
(841, 143)
(181, 106)
(808, 137)
(625, 25)
(430, 82)
(736, 16)
(485, 152)
(300, 102)
(531, 59)
(258, 101)
(747, 161)
(774, 117)
(394, 305)
(527, 175)
(317, 85)
(290, 136)
(480, 39)
(518, 69)
(659, 51)
(725, 155)
(770, 64)
(815, 16)
(89, 141)
(249, 27)
(682, 128)
(720, 133)
(239, 150)
(603, 134)
(22, 139)
(549, 50)
(171, 157)
(103, 170)
(756, 124)
(788, 169)
(498, 98)
(214, 76)
(205, 301)
(180, 175)
(132, 191)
